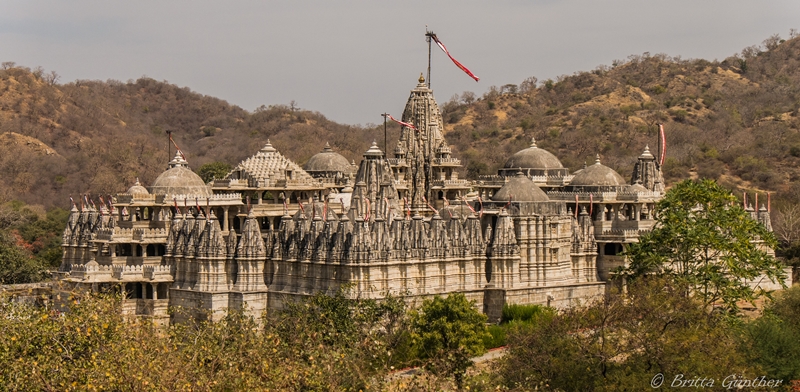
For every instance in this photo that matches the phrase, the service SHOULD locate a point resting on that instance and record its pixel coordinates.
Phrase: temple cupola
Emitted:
(647, 172)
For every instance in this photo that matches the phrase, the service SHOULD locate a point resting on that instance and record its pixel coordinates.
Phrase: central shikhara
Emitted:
(271, 231)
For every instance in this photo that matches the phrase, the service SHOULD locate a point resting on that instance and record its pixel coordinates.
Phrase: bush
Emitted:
(496, 337)
(213, 170)
(524, 313)
(447, 333)
(773, 340)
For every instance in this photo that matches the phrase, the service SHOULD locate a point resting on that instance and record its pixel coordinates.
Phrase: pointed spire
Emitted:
(268, 147)
(646, 154)
(178, 160)
(533, 142)
(374, 150)
(597, 159)
(327, 147)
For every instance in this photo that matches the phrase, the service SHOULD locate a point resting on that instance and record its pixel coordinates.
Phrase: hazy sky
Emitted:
(352, 60)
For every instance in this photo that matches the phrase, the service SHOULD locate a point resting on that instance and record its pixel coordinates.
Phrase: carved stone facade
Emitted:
(271, 232)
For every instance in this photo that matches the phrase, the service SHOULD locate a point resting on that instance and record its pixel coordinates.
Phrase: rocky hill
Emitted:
(735, 120)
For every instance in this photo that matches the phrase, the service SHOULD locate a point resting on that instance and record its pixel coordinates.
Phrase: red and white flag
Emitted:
(405, 124)
(459, 65)
(176, 147)
(663, 144)
(576, 205)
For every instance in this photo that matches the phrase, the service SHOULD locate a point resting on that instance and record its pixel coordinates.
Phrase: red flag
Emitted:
(576, 205)
(459, 65)
(176, 147)
(464, 198)
(405, 124)
(429, 205)
(663, 144)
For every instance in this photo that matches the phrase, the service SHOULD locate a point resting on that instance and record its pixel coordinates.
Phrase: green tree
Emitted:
(773, 340)
(212, 170)
(18, 265)
(622, 341)
(447, 332)
(705, 241)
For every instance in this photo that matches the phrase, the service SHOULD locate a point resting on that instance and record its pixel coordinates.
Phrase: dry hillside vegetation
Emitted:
(734, 120)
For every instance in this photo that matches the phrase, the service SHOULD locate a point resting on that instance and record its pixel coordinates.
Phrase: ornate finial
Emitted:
(268, 147)
(647, 154)
(374, 150)
(519, 172)
(533, 142)
(178, 160)
(597, 159)
(327, 147)
(421, 78)
(137, 182)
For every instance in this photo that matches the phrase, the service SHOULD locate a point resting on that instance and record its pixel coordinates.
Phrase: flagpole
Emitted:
(169, 148)
(428, 35)
(385, 149)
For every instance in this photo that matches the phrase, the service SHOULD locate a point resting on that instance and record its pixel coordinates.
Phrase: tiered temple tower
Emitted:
(422, 159)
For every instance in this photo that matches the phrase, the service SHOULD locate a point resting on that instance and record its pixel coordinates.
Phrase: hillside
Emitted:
(735, 120)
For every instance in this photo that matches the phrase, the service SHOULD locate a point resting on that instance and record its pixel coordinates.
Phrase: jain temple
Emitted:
(400, 221)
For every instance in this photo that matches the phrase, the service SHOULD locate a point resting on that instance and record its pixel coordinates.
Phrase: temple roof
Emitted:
(137, 189)
(179, 180)
(533, 157)
(328, 161)
(268, 165)
(520, 188)
(597, 175)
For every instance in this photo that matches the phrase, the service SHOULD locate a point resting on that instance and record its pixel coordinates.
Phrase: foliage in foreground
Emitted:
(622, 342)
(706, 242)
(447, 333)
(332, 343)
(773, 340)
(328, 343)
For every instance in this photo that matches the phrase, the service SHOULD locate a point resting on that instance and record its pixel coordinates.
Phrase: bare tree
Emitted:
(772, 42)
(468, 97)
(786, 223)
(528, 85)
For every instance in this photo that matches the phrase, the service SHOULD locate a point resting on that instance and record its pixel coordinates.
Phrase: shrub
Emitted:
(524, 313)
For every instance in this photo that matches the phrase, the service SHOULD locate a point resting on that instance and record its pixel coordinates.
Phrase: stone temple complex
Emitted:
(272, 231)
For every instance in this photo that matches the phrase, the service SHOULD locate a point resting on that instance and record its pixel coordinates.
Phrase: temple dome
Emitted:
(636, 188)
(179, 180)
(327, 161)
(137, 189)
(520, 188)
(597, 175)
(533, 157)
